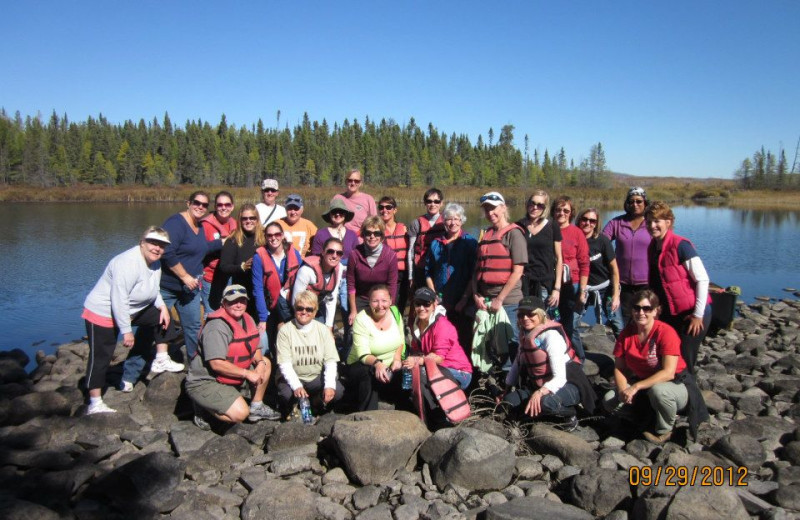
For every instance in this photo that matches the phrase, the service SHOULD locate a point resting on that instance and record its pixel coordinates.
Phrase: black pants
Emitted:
(103, 341)
(361, 379)
(690, 345)
(314, 389)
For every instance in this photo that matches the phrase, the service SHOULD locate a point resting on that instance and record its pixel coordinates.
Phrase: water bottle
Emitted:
(305, 410)
(407, 379)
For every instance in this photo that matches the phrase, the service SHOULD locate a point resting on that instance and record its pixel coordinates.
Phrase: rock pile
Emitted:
(150, 461)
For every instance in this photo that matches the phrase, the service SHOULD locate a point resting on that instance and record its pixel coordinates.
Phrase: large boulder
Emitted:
(219, 453)
(741, 449)
(143, 487)
(706, 503)
(374, 445)
(600, 491)
(535, 508)
(275, 498)
(474, 460)
(773, 429)
(26, 407)
(568, 447)
(15, 509)
(162, 395)
(11, 371)
(292, 434)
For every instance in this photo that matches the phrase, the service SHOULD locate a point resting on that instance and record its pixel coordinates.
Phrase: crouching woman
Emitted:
(228, 356)
(649, 368)
(307, 358)
(547, 372)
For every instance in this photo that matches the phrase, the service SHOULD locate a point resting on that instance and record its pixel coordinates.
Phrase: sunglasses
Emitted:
(527, 314)
(589, 220)
(636, 201)
(248, 219)
(300, 308)
(270, 190)
(642, 308)
(385, 207)
(337, 213)
(432, 201)
(423, 304)
(337, 252)
(565, 211)
(353, 181)
(537, 205)
(225, 205)
(275, 235)
(201, 204)
(491, 198)
(370, 234)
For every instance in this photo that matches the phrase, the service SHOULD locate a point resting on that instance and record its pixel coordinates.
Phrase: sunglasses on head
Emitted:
(373, 234)
(492, 198)
(433, 201)
(235, 291)
(387, 207)
(640, 308)
(248, 219)
(199, 203)
(275, 235)
(300, 308)
(337, 252)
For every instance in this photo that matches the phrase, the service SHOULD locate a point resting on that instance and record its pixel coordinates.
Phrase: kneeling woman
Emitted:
(377, 352)
(307, 358)
(648, 362)
(227, 357)
(547, 370)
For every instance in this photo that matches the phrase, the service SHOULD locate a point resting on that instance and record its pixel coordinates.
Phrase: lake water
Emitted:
(54, 253)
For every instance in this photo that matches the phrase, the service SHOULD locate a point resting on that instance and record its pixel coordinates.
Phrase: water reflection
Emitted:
(767, 218)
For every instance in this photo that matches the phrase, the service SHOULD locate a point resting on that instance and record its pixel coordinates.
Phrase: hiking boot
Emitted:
(165, 365)
(126, 387)
(99, 407)
(261, 411)
(570, 425)
(658, 439)
(201, 423)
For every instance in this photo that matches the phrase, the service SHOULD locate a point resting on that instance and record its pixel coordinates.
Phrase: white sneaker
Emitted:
(99, 407)
(165, 365)
(127, 387)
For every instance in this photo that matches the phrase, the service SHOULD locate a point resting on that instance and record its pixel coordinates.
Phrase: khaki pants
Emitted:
(667, 399)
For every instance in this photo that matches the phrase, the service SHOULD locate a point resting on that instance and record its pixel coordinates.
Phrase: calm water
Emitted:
(54, 253)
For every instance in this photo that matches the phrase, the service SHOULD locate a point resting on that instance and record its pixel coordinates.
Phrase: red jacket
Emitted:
(675, 280)
(213, 230)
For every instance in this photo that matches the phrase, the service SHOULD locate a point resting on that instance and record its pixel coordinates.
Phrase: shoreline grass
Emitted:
(672, 192)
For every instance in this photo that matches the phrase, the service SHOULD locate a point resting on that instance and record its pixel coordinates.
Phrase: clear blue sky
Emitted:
(684, 88)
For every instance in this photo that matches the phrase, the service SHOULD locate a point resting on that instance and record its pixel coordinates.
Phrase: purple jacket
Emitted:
(441, 338)
(631, 249)
(361, 277)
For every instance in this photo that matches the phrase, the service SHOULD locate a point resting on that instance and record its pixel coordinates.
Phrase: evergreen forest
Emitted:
(61, 152)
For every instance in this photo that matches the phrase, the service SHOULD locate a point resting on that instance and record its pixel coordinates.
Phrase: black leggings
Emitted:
(690, 345)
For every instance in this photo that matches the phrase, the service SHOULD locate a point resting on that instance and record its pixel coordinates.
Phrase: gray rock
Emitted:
(714, 402)
(641, 449)
(11, 371)
(291, 435)
(185, 437)
(792, 452)
(617, 515)
(534, 508)
(513, 491)
(255, 433)
(251, 478)
(161, 396)
(219, 453)
(16, 509)
(612, 442)
(438, 510)
(329, 510)
(337, 491)
(788, 475)
(552, 463)
(26, 407)
(335, 475)
(527, 468)
(276, 498)
(625, 460)
(367, 497)
(379, 512)
(476, 461)
(38, 459)
(600, 491)
(374, 445)
(140, 439)
(788, 496)
(290, 462)
(494, 498)
(568, 447)
(695, 503)
(741, 449)
(144, 486)
(763, 428)
(753, 504)
(566, 473)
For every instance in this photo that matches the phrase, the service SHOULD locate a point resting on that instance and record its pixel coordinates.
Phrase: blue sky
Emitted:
(669, 88)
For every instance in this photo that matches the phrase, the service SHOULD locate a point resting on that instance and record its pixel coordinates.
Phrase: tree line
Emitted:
(765, 170)
(61, 152)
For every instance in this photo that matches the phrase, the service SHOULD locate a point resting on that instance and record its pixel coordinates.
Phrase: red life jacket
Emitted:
(534, 360)
(494, 258)
(427, 234)
(272, 280)
(319, 287)
(678, 285)
(243, 345)
(223, 230)
(399, 244)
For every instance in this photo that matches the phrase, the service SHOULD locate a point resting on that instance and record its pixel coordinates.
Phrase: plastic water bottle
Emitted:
(407, 378)
(305, 410)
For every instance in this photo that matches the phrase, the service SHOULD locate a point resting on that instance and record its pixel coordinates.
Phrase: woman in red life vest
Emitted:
(679, 278)
(274, 269)
(397, 240)
(217, 225)
(540, 371)
(424, 230)
(603, 285)
(575, 253)
(323, 276)
(648, 362)
(502, 255)
(228, 357)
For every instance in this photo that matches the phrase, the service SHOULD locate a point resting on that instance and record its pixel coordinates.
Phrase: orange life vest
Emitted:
(494, 258)
(242, 347)
(272, 280)
(319, 287)
(534, 360)
(427, 234)
(399, 244)
(224, 230)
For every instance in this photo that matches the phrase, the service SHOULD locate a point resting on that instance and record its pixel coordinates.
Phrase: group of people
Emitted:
(270, 282)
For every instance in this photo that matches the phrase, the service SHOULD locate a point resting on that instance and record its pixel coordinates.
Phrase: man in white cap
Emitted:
(269, 210)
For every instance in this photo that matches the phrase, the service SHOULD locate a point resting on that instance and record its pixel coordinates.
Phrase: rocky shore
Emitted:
(150, 461)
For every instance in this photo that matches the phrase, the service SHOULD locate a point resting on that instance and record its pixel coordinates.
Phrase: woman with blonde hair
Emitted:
(542, 274)
(236, 259)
